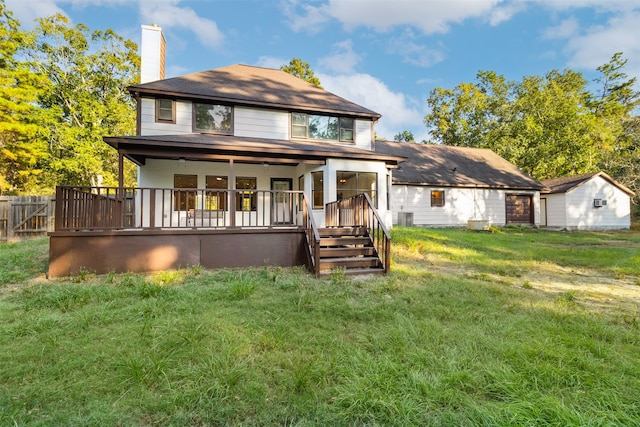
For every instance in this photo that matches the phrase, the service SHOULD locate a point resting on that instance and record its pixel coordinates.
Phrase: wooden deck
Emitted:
(103, 230)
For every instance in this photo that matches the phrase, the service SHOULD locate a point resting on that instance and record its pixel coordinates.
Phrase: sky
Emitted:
(386, 55)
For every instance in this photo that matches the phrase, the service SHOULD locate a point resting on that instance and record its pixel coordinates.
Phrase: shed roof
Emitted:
(568, 183)
(197, 146)
(441, 165)
(254, 86)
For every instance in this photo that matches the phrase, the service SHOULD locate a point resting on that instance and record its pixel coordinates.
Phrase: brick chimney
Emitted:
(152, 54)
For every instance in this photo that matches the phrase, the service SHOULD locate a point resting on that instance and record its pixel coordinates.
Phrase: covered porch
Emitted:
(244, 205)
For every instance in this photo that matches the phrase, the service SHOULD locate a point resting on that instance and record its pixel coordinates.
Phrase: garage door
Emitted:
(519, 209)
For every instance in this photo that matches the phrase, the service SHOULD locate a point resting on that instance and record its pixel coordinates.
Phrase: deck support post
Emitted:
(232, 195)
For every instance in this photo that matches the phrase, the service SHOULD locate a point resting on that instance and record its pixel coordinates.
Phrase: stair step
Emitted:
(342, 231)
(333, 252)
(340, 241)
(348, 263)
(356, 271)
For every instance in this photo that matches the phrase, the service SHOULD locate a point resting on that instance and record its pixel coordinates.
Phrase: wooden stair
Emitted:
(348, 248)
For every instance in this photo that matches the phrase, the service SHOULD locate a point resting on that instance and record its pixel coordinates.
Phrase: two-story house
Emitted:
(237, 166)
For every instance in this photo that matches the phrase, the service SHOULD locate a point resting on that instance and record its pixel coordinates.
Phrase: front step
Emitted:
(348, 248)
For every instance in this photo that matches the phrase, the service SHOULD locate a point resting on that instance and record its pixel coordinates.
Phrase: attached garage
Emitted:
(519, 209)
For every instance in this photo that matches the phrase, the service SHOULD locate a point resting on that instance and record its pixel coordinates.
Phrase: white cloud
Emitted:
(271, 62)
(430, 17)
(566, 29)
(399, 112)
(606, 5)
(28, 11)
(167, 14)
(597, 45)
(412, 52)
(504, 13)
(342, 59)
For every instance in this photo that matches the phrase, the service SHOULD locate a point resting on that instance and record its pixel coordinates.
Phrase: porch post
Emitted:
(232, 195)
(120, 170)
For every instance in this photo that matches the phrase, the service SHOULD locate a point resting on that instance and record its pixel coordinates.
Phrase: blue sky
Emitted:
(385, 55)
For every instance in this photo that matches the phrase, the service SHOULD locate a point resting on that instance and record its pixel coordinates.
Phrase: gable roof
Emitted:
(446, 166)
(254, 86)
(568, 183)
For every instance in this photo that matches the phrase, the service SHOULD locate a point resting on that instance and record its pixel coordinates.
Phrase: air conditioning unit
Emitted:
(598, 203)
(405, 219)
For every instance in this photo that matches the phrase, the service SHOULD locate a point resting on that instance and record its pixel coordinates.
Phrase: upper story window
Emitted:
(314, 126)
(212, 117)
(165, 110)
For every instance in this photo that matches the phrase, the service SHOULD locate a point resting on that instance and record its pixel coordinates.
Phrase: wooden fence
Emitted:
(24, 217)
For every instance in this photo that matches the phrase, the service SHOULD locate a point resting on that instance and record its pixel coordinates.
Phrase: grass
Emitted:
(458, 334)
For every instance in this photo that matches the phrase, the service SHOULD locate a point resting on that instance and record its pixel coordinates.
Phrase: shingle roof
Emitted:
(254, 86)
(228, 145)
(440, 165)
(566, 183)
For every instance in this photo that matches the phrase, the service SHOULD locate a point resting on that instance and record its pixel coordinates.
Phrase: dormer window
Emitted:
(328, 128)
(165, 110)
(212, 118)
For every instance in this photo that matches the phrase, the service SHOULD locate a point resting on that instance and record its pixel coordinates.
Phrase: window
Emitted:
(301, 188)
(317, 190)
(246, 199)
(216, 196)
(437, 198)
(321, 127)
(352, 183)
(184, 200)
(165, 110)
(212, 118)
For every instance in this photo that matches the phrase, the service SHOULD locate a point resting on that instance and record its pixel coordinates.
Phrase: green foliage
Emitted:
(302, 70)
(404, 136)
(63, 89)
(550, 125)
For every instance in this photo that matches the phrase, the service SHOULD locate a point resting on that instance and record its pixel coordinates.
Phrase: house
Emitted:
(237, 166)
(442, 186)
(592, 201)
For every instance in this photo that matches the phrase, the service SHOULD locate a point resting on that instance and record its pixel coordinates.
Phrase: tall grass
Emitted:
(443, 340)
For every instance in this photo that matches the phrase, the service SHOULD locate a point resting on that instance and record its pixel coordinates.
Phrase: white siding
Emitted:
(149, 126)
(556, 210)
(260, 123)
(461, 205)
(582, 215)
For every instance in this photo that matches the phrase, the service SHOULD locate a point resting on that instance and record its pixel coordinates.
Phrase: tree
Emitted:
(20, 151)
(404, 136)
(302, 70)
(84, 99)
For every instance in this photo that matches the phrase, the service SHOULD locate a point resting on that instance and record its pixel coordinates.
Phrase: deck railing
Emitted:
(116, 208)
(358, 211)
(312, 235)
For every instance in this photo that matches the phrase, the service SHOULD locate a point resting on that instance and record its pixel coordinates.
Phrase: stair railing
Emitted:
(358, 211)
(312, 235)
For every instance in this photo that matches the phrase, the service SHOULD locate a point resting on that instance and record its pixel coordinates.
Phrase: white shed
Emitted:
(593, 201)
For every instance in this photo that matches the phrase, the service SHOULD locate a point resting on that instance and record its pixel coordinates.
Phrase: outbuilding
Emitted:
(593, 201)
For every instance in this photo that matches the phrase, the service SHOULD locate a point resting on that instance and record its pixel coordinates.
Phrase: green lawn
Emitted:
(466, 330)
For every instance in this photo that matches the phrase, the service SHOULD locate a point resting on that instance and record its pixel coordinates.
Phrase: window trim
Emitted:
(340, 128)
(247, 193)
(219, 193)
(221, 132)
(437, 201)
(188, 193)
(173, 111)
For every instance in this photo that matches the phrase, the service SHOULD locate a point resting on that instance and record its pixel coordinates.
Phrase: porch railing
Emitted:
(358, 211)
(312, 235)
(114, 208)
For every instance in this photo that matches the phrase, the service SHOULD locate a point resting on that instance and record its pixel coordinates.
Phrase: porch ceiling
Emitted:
(208, 147)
